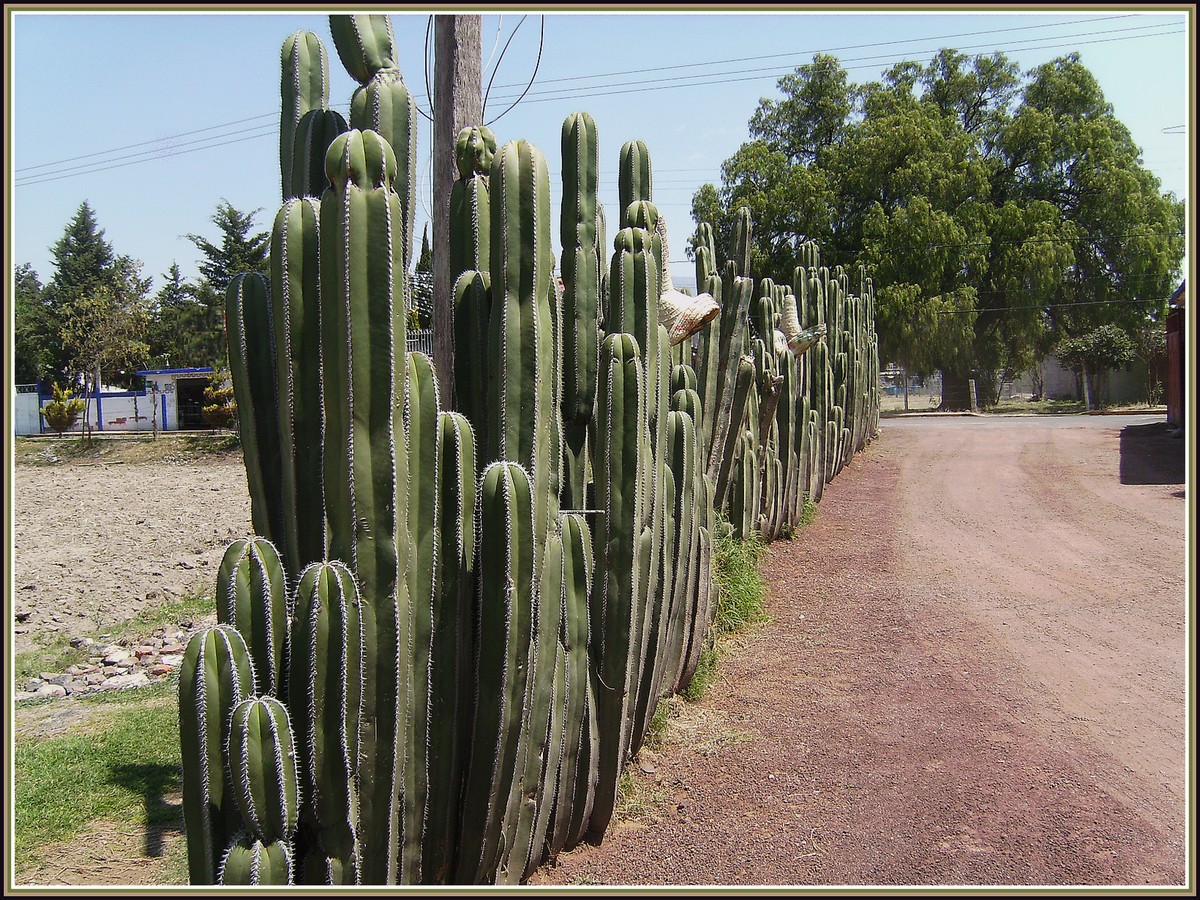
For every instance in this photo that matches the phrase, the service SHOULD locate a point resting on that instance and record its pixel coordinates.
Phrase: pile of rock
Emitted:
(112, 667)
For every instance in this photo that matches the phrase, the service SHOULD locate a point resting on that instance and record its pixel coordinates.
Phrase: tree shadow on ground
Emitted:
(154, 783)
(1150, 456)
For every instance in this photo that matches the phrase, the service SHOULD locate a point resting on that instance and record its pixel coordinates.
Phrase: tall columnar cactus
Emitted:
(464, 677)
(521, 352)
(365, 457)
(252, 365)
(304, 86)
(252, 597)
(505, 615)
(635, 180)
(621, 496)
(581, 271)
(216, 675)
(296, 311)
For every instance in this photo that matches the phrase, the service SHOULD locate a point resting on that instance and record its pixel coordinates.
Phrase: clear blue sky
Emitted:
(155, 118)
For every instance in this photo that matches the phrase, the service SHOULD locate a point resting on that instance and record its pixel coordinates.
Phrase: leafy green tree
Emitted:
(219, 409)
(104, 328)
(240, 250)
(1094, 355)
(33, 334)
(998, 211)
(83, 262)
(179, 325)
(425, 261)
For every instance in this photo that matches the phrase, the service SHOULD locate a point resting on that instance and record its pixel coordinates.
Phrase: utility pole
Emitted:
(457, 103)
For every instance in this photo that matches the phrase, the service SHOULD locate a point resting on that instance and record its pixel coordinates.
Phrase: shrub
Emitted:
(63, 411)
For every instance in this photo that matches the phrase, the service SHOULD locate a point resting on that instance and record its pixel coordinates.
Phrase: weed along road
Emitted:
(974, 673)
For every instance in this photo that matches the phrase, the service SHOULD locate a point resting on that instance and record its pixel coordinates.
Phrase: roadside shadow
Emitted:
(155, 783)
(1150, 456)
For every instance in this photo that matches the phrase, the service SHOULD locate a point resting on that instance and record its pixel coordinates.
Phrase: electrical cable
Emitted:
(536, 66)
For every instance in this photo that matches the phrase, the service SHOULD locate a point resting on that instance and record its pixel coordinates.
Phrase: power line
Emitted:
(723, 78)
(537, 65)
(946, 312)
(648, 85)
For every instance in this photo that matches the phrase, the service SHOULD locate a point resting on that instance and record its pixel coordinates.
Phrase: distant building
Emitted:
(172, 400)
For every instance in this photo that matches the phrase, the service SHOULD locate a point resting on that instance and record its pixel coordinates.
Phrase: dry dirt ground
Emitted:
(103, 535)
(974, 674)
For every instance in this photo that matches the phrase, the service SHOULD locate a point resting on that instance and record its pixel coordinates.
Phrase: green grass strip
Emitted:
(122, 767)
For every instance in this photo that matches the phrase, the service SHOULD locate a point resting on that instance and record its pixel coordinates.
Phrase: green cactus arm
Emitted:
(504, 537)
(577, 740)
(472, 312)
(529, 786)
(215, 676)
(365, 44)
(262, 765)
(450, 677)
(522, 356)
(251, 861)
(304, 86)
(621, 494)
(634, 179)
(326, 691)
(385, 106)
(316, 130)
(252, 596)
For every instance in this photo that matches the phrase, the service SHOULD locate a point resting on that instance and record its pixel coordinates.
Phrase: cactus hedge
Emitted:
(457, 615)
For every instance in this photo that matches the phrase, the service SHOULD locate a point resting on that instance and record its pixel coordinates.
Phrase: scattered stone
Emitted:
(23, 617)
(121, 682)
(125, 663)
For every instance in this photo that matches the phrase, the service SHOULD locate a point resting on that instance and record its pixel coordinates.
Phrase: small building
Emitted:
(172, 400)
(1176, 357)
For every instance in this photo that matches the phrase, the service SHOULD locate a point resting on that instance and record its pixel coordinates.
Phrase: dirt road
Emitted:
(975, 674)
